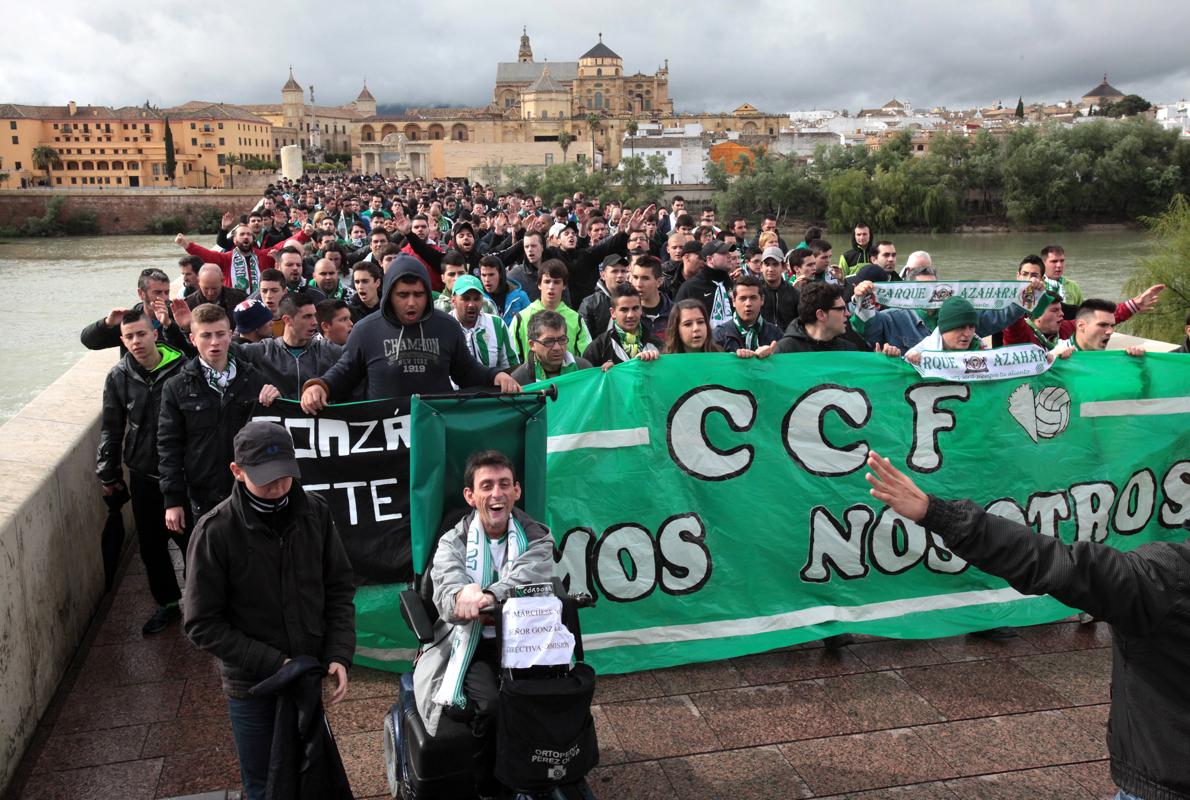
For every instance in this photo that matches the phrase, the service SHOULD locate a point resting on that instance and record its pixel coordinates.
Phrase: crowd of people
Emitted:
(362, 287)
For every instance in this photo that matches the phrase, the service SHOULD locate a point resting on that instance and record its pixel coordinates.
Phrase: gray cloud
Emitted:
(779, 56)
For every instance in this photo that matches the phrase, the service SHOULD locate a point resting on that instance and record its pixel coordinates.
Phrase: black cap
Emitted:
(691, 247)
(869, 272)
(264, 450)
(715, 246)
(463, 225)
(614, 258)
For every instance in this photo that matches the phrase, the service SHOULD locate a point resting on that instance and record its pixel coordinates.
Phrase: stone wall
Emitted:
(51, 570)
(126, 210)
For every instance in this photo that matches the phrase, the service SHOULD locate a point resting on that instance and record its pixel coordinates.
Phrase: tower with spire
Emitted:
(365, 103)
(292, 110)
(525, 54)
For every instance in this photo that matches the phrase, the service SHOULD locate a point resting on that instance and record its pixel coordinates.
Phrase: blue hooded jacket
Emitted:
(398, 359)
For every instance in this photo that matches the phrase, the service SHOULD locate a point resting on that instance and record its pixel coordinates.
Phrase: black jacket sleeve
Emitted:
(111, 432)
(428, 254)
(1134, 591)
(223, 238)
(98, 336)
(359, 254)
(171, 444)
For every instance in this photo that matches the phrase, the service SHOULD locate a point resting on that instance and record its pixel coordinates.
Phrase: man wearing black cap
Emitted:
(253, 321)
(596, 308)
(267, 581)
(712, 285)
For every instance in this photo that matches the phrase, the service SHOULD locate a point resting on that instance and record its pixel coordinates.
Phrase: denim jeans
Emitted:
(252, 730)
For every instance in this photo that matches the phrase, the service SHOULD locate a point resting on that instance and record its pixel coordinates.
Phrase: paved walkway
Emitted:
(954, 718)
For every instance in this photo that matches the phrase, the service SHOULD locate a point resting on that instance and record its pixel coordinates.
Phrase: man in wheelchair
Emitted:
(491, 551)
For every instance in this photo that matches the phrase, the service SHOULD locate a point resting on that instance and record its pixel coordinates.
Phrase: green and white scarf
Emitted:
(480, 570)
(489, 343)
(216, 379)
(245, 270)
(751, 333)
(568, 365)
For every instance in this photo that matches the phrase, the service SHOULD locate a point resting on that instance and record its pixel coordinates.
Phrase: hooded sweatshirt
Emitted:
(396, 359)
(851, 261)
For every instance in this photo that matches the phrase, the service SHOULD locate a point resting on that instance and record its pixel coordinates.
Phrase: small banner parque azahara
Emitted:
(718, 507)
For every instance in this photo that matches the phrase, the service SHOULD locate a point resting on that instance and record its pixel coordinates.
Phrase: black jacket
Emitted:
(1145, 596)
(358, 310)
(702, 287)
(582, 264)
(602, 349)
(780, 304)
(394, 359)
(280, 367)
(797, 340)
(258, 594)
(304, 763)
(728, 336)
(131, 407)
(596, 310)
(195, 433)
(98, 336)
(228, 299)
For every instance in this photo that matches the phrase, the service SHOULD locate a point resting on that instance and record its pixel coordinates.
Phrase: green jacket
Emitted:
(520, 329)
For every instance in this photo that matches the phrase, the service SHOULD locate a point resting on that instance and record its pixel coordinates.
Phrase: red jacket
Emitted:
(1021, 332)
(264, 258)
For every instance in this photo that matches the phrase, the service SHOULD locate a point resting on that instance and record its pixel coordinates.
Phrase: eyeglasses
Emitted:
(838, 308)
(557, 341)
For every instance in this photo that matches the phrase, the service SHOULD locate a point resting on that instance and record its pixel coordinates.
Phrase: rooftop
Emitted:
(1104, 89)
(600, 50)
(545, 83)
(529, 71)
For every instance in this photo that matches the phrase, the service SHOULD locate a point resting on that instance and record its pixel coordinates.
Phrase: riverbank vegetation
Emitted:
(1048, 176)
(1169, 264)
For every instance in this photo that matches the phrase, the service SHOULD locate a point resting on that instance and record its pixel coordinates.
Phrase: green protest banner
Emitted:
(717, 506)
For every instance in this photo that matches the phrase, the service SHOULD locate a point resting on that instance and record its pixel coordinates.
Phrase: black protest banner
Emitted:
(357, 457)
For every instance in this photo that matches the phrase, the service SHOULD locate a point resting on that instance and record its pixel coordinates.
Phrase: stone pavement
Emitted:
(958, 718)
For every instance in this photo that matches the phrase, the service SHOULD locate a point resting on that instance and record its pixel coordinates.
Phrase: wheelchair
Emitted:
(545, 721)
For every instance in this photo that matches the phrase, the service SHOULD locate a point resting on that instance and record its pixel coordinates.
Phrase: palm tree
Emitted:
(46, 157)
(565, 138)
(631, 128)
(231, 160)
(595, 125)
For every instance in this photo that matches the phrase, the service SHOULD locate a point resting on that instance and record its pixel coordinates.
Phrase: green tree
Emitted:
(171, 161)
(46, 158)
(849, 199)
(631, 128)
(639, 180)
(565, 139)
(1127, 106)
(1020, 108)
(1169, 264)
(231, 161)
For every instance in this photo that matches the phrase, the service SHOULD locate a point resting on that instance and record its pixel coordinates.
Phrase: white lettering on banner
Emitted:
(803, 427)
(533, 633)
(353, 507)
(628, 564)
(929, 420)
(892, 544)
(689, 446)
(987, 295)
(323, 437)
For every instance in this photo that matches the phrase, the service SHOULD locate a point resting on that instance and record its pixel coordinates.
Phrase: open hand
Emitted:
(896, 489)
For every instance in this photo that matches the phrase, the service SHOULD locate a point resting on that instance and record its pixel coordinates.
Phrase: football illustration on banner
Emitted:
(1043, 416)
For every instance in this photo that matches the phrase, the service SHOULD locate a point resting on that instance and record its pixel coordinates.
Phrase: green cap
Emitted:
(465, 283)
(955, 313)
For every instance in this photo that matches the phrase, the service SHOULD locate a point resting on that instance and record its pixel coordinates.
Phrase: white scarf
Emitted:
(984, 295)
(480, 570)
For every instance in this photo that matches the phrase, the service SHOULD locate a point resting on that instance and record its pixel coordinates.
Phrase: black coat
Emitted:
(1145, 596)
(228, 299)
(780, 304)
(128, 427)
(258, 593)
(304, 763)
(582, 264)
(195, 433)
(601, 349)
(797, 340)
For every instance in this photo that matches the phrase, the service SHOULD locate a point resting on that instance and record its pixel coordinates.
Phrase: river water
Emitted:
(57, 286)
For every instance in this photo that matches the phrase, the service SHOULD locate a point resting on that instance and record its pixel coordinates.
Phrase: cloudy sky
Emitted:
(779, 56)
